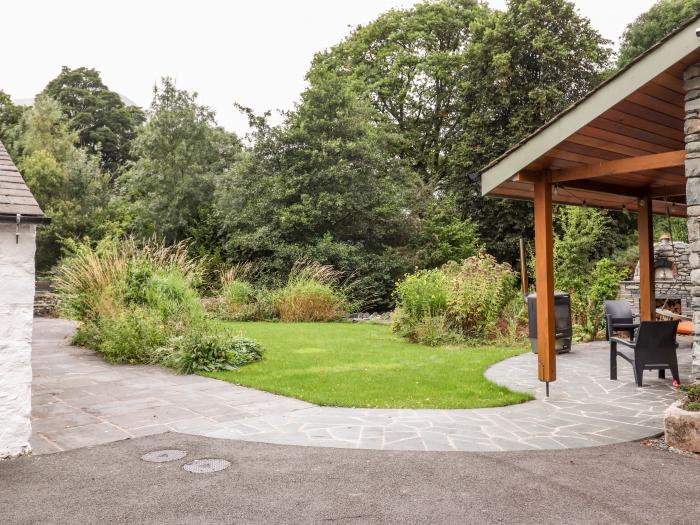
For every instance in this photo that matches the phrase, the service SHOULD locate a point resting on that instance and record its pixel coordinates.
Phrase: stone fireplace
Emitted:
(672, 278)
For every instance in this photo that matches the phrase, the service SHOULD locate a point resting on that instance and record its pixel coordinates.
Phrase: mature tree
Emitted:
(410, 64)
(66, 181)
(181, 154)
(105, 125)
(322, 186)
(460, 84)
(650, 27)
(526, 64)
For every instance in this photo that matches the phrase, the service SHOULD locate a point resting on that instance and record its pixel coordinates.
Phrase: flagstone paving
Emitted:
(80, 400)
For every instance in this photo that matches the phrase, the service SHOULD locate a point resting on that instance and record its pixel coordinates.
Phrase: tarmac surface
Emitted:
(266, 483)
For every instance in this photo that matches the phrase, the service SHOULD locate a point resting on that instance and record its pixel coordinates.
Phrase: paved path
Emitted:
(618, 484)
(81, 400)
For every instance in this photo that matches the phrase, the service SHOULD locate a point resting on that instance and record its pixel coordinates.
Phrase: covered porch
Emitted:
(633, 144)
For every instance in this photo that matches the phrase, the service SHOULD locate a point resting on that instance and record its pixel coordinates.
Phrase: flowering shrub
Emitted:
(465, 300)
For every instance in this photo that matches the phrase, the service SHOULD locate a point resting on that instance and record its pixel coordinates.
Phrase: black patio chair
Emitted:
(654, 348)
(619, 318)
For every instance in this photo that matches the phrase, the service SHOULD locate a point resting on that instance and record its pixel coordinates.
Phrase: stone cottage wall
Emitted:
(16, 310)
(692, 172)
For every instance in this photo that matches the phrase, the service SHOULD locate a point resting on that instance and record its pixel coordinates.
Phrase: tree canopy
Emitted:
(66, 181)
(181, 155)
(105, 125)
(652, 26)
(459, 84)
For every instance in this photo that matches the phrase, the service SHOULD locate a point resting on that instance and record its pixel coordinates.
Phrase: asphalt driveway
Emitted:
(265, 483)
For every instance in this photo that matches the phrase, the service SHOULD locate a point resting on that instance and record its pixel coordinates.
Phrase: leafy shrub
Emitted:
(434, 330)
(457, 301)
(423, 293)
(580, 269)
(604, 284)
(314, 292)
(207, 351)
(238, 293)
(480, 290)
(691, 401)
(237, 296)
(130, 336)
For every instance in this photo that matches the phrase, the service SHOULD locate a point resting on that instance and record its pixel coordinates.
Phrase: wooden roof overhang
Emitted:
(625, 139)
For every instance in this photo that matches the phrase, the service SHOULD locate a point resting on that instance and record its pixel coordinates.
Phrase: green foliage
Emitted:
(604, 285)
(167, 291)
(581, 268)
(66, 181)
(678, 227)
(138, 304)
(459, 301)
(481, 289)
(104, 124)
(212, 350)
(458, 84)
(652, 26)
(313, 292)
(181, 155)
(10, 118)
(691, 399)
(580, 240)
(423, 293)
(129, 336)
(238, 293)
(321, 187)
(444, 236)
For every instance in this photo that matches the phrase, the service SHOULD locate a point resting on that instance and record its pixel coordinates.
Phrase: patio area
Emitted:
(79, 400)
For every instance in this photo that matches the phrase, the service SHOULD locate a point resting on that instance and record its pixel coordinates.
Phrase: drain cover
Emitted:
(204, 466)
(161, 456)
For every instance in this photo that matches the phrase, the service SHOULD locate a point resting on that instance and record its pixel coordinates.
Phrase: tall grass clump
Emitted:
(472, 299)
(238, 298)
(314, 292)
(137, 301)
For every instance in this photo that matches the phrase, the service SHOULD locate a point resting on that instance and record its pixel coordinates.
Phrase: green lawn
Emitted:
(365, 365)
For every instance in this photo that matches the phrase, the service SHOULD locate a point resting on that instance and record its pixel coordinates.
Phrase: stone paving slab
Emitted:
(80, 400)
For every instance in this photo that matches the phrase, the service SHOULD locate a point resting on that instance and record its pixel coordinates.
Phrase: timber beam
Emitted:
(656, 161)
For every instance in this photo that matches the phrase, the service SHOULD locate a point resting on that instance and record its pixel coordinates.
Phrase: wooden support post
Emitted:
(645, 226)
(544, 273)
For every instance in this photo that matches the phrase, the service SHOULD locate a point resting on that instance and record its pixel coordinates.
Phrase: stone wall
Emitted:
(16, 309)
(691, 78)
(666, 289)
(677, 253)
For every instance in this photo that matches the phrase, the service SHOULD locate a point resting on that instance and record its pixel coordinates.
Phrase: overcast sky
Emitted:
(255, 52)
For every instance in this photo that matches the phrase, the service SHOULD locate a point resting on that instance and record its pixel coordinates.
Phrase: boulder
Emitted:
(682, 428)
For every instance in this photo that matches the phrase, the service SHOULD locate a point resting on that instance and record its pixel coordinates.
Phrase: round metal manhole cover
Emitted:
(205, 466)
(161, 456)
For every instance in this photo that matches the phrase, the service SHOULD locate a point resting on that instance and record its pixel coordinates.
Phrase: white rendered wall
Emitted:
(16, 313)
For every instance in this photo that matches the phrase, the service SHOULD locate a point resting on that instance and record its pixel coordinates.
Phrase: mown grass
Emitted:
(366, 365)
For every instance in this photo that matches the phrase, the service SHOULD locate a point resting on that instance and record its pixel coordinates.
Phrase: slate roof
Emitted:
(15, 197)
